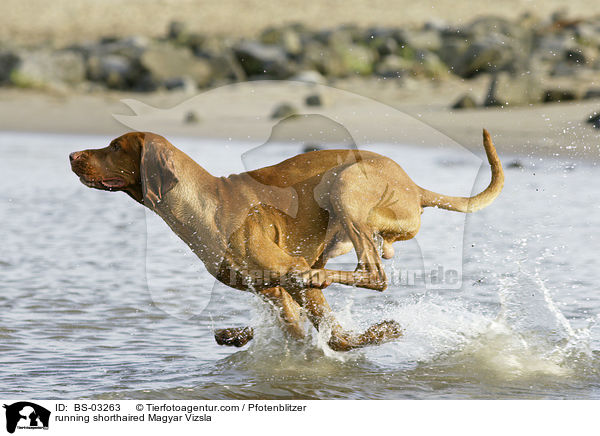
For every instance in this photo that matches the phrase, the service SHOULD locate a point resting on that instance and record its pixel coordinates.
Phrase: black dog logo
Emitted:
(32, 416)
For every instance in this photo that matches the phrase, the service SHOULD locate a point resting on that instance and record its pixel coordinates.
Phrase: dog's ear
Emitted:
(156, 170)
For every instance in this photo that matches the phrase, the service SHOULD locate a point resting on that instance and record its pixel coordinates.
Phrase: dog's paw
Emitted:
(234, 337)
(382, 332)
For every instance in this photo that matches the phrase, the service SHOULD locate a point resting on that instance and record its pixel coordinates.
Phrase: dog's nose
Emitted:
(74, 155)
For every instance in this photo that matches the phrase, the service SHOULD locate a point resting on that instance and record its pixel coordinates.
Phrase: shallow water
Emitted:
(101, 301)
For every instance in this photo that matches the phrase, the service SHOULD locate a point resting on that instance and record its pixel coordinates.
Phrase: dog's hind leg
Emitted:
(290, 313)
(320, 314)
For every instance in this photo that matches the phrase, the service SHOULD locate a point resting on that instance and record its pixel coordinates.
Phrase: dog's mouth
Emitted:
(108, 183)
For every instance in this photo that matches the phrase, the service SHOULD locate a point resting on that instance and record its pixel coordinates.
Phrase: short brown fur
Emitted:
(271, 231)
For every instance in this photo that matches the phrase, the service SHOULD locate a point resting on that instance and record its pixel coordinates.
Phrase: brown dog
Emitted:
(272, 230)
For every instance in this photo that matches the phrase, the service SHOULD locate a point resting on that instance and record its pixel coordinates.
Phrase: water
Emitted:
(100, 301)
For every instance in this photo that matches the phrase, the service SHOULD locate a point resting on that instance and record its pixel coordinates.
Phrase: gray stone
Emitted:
(283, 110)
(594, 120)
(185, 83)
(513, 90)
(309, 76)
(131, 47)
(429, 64)
(487, 25)
(191, 117)
(553, 46)
(287, 37)
(8, 62)
(177, 30)
(576, 55)
(465, 102)
(588, 33)
(308, 147)
(393, 66)
(453, 51)
(48, 69)
(165, 61)
(338, 60)
(225, 67)
(384, 43)
(114, 71)
(515, 164)
(490, 53)
(556, 95)
(592, 93)
(425, 39)
(314, 100)
(259, 59)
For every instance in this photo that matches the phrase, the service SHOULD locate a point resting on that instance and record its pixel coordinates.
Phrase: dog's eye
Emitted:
(115, 147)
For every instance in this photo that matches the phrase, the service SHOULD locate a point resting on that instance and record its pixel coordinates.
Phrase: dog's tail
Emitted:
(479, 201)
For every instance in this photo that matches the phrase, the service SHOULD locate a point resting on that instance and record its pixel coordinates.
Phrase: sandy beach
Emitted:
(65, 21)
(550, 129)
(539, 128)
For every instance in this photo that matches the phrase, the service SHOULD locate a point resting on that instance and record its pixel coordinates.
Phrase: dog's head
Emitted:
(137, 163)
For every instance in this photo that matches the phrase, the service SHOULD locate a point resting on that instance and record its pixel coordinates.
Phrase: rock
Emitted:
(114, 71)
(283, 110)
(48, 69)
(131, 47)
(308, 147)
(575, 55)
(383, 41)
(185, 83)
(465, 102)
(178, 33)
(592, 93)
(8, 62)
(557, 95)
(494, 44)
(515, 164)
(424, 39)
(314, 100)
(287, 37)
(453, 51)
(177, 30)
(165, 62)
(588, 33)
(341, 60)
(513, 90)
(309, 76)
(393, 66)
(490, 53)
(428, 64)
(594, 120)
(355, 59)
(259, 59)
(491, 24)
(191, 117)
(553, 46)
(225, 67)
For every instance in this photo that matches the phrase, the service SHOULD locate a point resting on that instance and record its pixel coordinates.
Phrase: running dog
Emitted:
(271, 231)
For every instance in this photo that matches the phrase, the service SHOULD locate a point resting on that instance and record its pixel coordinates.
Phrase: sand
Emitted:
(64, 21)
(242, 112)
(542, 129)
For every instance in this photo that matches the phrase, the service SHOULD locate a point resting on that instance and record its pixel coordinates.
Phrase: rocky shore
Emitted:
(526, 61)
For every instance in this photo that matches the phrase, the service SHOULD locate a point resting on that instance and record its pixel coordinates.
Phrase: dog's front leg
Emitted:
(289, 313)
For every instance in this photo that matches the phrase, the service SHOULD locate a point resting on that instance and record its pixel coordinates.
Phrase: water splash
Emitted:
(526, 337)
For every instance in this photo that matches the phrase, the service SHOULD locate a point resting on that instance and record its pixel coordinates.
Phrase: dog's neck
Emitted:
(190, 208)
